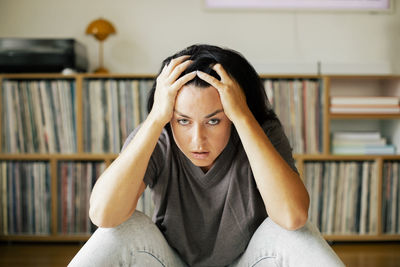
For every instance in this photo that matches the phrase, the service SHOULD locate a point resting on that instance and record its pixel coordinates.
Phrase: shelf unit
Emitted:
(330, 84)
(55, 158)
(357, 85)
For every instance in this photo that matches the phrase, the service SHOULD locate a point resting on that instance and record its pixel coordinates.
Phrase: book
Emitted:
(359, 142)
(390, 198)
(365, 100)
(357, 135)
(365, 110)
(364, 198)
(364, 150)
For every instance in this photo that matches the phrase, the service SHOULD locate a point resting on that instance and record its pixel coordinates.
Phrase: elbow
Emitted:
(297, 218)
(97, 219)
(292, 220)
(101, 220)
(296, 222)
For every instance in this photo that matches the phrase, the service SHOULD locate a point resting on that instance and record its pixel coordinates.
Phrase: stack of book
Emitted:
(343, 196)
(38, 116)
(364, 143)
(391, 197)
(298, 104)
(365, 104)
(25, 198)
(75, 183)
(111, 110)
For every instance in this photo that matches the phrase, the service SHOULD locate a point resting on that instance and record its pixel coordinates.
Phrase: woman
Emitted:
(224, 184)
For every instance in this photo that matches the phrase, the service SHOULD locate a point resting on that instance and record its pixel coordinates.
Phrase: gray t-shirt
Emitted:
(210, 217)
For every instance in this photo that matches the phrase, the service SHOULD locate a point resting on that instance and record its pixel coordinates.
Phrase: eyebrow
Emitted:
(207, 116)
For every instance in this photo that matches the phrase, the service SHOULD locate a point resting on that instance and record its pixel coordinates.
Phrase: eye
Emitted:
(183, 121)
(213, 121)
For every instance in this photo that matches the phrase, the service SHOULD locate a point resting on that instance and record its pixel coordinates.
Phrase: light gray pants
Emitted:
(138, 242)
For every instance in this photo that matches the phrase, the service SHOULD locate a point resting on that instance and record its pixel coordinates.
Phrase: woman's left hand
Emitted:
(232, 96)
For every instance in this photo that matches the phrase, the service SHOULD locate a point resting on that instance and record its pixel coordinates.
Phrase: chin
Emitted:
(202, 164)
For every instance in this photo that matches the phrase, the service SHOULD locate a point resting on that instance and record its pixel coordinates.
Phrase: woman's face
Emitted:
(199, 125)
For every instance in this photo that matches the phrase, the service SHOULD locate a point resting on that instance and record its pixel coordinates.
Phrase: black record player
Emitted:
(28, 55)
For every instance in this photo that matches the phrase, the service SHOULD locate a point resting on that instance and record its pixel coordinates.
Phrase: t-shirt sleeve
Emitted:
(156, 161)
(278, 138)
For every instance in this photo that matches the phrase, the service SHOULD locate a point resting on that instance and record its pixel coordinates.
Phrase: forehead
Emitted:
(192, 98)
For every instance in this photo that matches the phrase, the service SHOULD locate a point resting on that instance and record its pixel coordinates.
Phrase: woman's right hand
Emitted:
(168, 86)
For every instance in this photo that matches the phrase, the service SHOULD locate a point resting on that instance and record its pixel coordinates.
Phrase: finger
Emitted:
(176, 61)
(178, 70)
(162, 73)
(209, 79)
(164, 68)
(183, 80)
(221, 72)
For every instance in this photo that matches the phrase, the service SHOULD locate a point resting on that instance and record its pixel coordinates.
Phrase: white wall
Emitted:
(150, 30)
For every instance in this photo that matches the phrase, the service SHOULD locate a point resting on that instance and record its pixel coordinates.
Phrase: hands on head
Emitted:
(168, 86)
(171, 80)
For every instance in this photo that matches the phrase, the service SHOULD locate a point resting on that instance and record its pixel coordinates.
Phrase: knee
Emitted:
(138, 226)
(270, 225)
(265, 261)
(134, 231)
(138, 258)
(310, 229)
(295, 245)
(304, 234)
(276, 234)
(109, 246)
(137, 219)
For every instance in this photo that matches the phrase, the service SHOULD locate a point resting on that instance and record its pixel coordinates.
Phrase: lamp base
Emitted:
(101, 70)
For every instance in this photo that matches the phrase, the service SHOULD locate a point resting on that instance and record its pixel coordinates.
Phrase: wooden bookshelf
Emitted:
(330, 83)
(53, 159)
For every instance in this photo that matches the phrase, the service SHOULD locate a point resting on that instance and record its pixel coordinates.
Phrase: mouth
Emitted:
(200, 155)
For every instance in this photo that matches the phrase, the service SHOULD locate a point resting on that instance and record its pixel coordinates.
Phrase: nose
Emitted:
(199, 135)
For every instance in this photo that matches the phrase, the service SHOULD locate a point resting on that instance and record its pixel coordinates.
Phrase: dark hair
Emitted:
(205, 56)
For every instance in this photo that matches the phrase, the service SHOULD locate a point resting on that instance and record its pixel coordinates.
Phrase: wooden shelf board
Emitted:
(43, 238)
(113, 156)
(364, 77)
(328, 157)
(78, 156)
(27, 76)
(356, 237)
(153, 75)
(132, 76)
(39, 76)
(119, 76)
(349, 116)
(289, 76)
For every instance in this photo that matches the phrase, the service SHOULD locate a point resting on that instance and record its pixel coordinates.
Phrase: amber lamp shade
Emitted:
(100, 29)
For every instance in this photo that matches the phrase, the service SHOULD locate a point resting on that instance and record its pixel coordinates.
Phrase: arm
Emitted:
(284, 194)
(116, 193)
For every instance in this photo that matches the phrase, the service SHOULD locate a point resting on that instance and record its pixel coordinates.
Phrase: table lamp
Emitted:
(100, 29)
